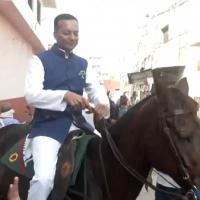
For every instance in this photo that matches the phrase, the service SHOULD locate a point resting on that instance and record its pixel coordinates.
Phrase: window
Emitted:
(165, 32)
(38, 11)
(30, 3)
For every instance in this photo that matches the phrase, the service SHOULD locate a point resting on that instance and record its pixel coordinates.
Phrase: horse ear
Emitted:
(164, 78)
(167, 76)
(182, 85)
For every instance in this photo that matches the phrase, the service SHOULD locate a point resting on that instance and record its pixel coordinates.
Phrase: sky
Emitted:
(108, 28)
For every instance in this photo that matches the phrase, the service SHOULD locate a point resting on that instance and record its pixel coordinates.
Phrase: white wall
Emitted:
(14, 54)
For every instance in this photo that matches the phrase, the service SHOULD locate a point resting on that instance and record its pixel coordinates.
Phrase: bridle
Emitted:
(190, 194)
(167, 131)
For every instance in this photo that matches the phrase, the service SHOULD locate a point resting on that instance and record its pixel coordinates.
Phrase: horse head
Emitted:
(179, 133)
(161, 131)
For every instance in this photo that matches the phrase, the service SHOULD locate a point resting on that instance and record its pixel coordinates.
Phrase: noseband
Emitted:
(190, 194)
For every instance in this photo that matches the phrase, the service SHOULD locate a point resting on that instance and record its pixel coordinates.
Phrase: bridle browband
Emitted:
(190, 194)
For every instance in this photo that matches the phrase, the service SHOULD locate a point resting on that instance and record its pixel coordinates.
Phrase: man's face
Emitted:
(67, 34)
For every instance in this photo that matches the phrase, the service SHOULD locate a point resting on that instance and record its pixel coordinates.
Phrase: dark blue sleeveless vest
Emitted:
(60, 74)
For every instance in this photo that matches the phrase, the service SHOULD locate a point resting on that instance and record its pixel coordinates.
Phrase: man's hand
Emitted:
(77, 101)
(101, 111)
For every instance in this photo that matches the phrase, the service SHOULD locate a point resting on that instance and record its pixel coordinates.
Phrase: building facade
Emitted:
(21, 36)
(171, 37)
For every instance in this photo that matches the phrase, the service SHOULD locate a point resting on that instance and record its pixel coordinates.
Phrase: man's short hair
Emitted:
(62, 17)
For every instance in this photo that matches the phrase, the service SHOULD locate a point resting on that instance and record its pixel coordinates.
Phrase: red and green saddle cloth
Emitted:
(14, 158)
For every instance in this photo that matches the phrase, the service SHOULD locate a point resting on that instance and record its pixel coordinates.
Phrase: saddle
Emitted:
(77, 182)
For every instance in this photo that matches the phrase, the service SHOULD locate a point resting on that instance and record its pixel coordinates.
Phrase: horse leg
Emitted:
(6, 177)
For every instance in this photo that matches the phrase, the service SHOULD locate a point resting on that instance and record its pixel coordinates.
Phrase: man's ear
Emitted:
(182, 85)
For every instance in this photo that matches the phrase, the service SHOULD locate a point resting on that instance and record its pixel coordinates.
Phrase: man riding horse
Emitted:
(167, 140)
(54, 86)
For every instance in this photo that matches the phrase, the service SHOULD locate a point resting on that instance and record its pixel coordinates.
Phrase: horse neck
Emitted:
(131, 130)
(120, 183)
(127, 135)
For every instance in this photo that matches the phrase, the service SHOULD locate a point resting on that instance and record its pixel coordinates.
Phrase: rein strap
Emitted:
(124, 163)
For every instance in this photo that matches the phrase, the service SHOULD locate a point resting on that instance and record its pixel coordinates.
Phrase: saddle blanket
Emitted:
(17, 160)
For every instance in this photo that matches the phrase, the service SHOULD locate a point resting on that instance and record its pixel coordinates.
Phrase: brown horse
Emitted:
(162, 131)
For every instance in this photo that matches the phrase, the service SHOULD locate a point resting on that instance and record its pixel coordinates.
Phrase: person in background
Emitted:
(29, 112)
(7, 115)
(123, 105)
(113, 110)
(54, 86)
(133, 98)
